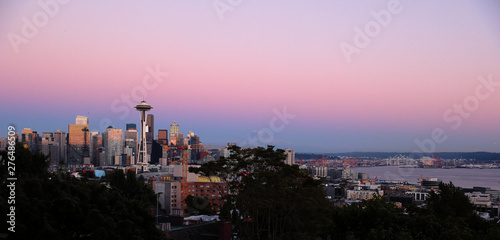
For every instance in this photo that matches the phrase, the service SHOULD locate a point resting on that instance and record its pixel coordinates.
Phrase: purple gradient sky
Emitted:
(227, 76)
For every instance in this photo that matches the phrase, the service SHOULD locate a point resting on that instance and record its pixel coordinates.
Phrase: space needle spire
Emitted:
(142, 159)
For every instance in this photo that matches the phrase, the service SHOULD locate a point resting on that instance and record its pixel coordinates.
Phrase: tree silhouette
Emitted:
(58, 206)
(269, 199)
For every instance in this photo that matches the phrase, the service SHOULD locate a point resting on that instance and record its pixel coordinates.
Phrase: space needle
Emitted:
(143, 157)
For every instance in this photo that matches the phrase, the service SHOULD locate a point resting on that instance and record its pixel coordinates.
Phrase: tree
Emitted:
(198, 206)
(58, 206)
(269, 199)
(450, 201)
(370, 219)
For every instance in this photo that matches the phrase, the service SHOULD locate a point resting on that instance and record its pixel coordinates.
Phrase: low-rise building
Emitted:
(363, 194)
(418, 195)
(479, 199)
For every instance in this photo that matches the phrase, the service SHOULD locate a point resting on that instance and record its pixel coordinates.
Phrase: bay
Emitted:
(463, 177)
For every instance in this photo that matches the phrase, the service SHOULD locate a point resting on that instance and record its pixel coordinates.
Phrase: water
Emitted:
(463, 177)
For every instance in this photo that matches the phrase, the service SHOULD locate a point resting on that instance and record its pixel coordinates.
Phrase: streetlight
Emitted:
(157, 197)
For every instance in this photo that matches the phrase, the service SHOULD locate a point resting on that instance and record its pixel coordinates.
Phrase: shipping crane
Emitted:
(350, 161)
(438, 162)
(301, 160)
(315, 162)
(324, 160)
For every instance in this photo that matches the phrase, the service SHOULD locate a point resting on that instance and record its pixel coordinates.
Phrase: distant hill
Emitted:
(479, 156)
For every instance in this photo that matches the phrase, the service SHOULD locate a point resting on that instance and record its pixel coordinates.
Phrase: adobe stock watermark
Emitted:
(265, 136)
(459, 112)
(11, 178)
(372, 29)
(224, 6)
(128, 101)
(30, 28)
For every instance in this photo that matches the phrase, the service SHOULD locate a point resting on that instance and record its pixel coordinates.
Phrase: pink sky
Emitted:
(227, 76)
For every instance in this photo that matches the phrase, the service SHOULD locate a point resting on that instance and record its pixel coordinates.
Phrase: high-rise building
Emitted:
(290, 156)
(174, 133)
(47, 143)
(60, 143)
(82, 120)
(163, 136)
(47, 139)
(79, 141)
(26, 135)
(96, 148)
(131, 126)
(195, 153)
(194, 140)
(112, 141)
(131, 137)
(30, 139)
(150, 134)
(47, 135)
(150, 124)
(93, 134)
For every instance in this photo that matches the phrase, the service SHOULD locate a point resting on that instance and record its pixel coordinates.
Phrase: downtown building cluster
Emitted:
(78, 147)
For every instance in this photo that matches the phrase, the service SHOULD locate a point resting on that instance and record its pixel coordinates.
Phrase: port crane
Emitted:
(350, 161)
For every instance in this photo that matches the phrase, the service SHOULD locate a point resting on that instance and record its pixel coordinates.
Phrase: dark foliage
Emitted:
(198, 206)
(270, 199)
(58, 206)
(448, 215)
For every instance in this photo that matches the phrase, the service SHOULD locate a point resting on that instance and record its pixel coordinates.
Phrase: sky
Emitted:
(313, 76)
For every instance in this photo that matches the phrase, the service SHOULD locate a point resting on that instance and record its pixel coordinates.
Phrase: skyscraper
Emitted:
(131, 126)
(195, 153)
(93, 134)
(82, 120)
(31, 139)
(174, 133)
(131, 137)
(150, 124)
(27, 137)
(150, 134)
(96, 148)
(163, 136)
(112, 141)
(79, 141)
(60, 143)
(47, 143)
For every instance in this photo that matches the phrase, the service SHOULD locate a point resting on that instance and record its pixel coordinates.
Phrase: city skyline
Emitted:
(345, 84)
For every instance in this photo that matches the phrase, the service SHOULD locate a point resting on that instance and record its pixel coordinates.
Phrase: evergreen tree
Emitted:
(59, 206)
(269, 199)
